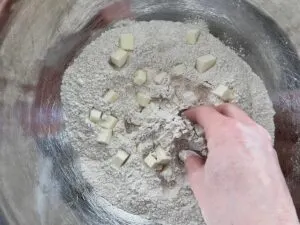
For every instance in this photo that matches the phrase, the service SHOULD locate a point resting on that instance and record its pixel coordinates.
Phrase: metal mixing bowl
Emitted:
(40, 183)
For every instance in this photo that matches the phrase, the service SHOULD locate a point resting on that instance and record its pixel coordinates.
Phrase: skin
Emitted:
(5, 6)
(240, 182)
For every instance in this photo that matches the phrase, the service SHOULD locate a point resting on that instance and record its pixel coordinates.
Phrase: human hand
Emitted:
(241, 181)
(111, 13)
(5, 6)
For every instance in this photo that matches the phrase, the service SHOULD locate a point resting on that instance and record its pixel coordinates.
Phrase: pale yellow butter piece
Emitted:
(104, 137)
(192, 36)
(223, 92)
(108, 121)
(140, 77)
(143, 99)
(206, 62)
(95, 116)
(111, 96)
(189, 97)
(119, 159)
(119, 58)
(126, 42)
(151, 161)
(167, 174)
(163, 157)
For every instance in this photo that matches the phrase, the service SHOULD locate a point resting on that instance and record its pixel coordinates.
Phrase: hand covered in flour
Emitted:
(241, 181)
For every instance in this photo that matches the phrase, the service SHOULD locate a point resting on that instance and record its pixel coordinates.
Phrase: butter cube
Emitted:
(167, 174)
(119, 159)
(151, 161)
(163, 157)
(119, 58)
(140, 77)
(108, 122)
(206, 62)
(95, 116)
(179, 69)
(189, 97)
(126, 42)
(143, 99)
(161, 78)
(223, 92)
(104, 137)
(192, 36)
(111, 96)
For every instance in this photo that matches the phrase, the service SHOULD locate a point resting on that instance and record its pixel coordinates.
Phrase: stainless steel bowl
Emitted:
(40, 183)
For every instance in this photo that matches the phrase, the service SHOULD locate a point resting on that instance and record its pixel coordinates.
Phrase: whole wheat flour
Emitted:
(163, 197)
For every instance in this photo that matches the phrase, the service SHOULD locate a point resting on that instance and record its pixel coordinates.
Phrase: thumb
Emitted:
(194, 165)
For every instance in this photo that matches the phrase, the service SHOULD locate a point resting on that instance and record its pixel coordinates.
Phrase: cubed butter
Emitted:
(108, 121)
(167, 174)
(192, 36)
(140, 77)
(223, 92)
(151, 161)
(206, 62)
(104, 137)
(95, 115)
(178, 70)
(163, 157)
(189, 97)
(143, 99)
(161, 78)
(111, 96)
(126, 42)
(119, 58)
(119, 159)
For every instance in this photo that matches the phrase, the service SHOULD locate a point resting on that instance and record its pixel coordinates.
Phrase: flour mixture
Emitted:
(121, 109)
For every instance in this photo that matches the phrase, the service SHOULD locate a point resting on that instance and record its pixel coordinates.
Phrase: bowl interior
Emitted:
(247, 30)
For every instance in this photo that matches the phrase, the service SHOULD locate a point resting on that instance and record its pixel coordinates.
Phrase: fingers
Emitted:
(5, 7)
(207, 117)
(194, 165)
(118, 10)
(210, 118)
(234, 112)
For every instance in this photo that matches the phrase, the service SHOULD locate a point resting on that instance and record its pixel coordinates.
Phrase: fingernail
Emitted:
(184, 154)
(181, 111)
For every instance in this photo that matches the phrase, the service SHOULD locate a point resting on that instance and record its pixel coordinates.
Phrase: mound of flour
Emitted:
(159, 46)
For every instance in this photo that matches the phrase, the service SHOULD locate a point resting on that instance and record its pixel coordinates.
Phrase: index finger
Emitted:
(234, 112)
(207, 117)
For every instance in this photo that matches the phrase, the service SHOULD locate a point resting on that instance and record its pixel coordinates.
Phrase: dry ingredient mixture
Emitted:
(147, 111)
